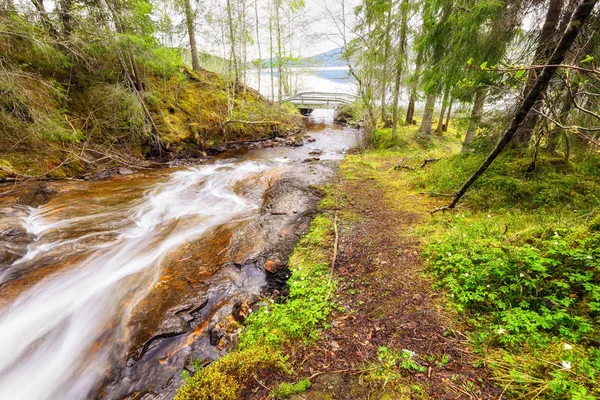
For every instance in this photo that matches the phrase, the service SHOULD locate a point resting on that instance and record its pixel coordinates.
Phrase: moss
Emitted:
(285, 390)
(226, 378)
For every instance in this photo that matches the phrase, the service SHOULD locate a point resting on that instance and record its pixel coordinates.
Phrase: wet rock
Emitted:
(279, 140)
(316, 152)
(36, 195)
(11, 233)
(220, 148)
(268, 143)
(277, 283)
(311, 159)
(240, 311)
(125, 171)
(272, 265)
(215, 336)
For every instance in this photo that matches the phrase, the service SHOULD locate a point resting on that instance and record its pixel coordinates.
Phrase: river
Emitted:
(109, 289)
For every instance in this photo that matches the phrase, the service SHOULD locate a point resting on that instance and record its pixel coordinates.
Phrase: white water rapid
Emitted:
(57, 336)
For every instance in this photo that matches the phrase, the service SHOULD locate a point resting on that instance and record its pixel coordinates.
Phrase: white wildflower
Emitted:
(566, 364)
(489, 216)
(411, 354)
(567, 346)
(556, 243)
(464, 235)
(266, 311)
(449, 254)
(589, 257)
(521, 275)
(466, 274)
(500, 331)
(487, 286)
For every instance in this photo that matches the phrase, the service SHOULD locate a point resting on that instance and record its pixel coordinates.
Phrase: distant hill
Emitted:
(331, 58)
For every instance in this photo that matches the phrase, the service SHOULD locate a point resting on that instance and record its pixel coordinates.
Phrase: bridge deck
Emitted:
(313, 100)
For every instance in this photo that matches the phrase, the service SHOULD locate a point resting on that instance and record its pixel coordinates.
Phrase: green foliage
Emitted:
(522, 263)
(307, 305)
(508, 184)
(382, 139)
(524, 294)
(226, 377)
(391, 363)
(285, 390)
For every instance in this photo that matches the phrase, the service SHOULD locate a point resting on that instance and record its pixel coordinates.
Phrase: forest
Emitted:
(451, 252)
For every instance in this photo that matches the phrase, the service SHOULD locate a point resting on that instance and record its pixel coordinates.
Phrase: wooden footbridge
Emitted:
(314, 100)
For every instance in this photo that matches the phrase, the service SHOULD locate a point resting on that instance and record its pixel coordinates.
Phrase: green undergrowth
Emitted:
(270, 330)
(62, 115)
(519, 258)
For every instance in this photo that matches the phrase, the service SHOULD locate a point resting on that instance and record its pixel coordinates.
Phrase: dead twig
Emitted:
(335, 251)
(428, 161)
(435, 194)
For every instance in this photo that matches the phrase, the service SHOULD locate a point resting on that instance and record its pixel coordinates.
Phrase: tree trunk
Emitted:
(578, 20)
(426, 124)
(399, 66)
(279, 55)
(191, 29)
(258, 43)
(384, 77)
(475, 119)
(523, 136)
(271, 59)
(447, 124)
(46, 23)
(232, 39)
(440, 125)
(410, 112)
(563, 116)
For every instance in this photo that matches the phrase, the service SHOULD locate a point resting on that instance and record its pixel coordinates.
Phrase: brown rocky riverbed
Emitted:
(112, 287)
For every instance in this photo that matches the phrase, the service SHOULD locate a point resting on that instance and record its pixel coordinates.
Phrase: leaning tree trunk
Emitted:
(475, 119)
(189, 22)
(543, 51)
(581, 14)
(426, 124)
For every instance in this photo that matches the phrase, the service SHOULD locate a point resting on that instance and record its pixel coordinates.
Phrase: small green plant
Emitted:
(444, 361)
(409, 364)
(285, 390)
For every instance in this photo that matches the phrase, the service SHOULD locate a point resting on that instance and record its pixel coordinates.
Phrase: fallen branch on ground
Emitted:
(435, 194)
(427, 161)
(239, 121)
(335, 250)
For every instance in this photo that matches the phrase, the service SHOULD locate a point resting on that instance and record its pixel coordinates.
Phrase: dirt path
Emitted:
(386, 301)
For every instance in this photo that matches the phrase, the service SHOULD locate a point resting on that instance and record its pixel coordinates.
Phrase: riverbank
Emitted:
(476, 303)
(169, 258)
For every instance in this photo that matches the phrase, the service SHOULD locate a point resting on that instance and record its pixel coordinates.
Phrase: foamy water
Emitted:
(56, 337)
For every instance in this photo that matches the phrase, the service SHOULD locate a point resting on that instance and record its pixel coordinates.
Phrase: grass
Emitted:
(518, 259)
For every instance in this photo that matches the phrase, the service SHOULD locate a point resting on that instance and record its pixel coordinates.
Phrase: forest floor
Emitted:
(390, 336)
(387, 302)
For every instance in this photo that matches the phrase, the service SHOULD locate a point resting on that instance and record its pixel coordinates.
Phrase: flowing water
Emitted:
(107, 289)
